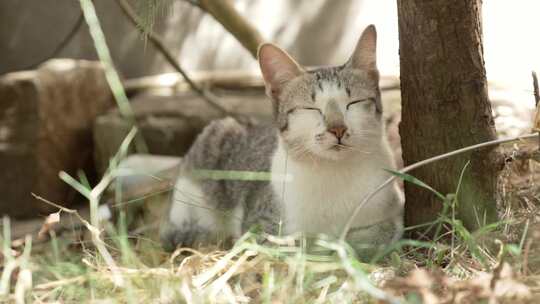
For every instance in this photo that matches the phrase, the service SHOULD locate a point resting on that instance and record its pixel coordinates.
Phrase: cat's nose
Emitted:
(338, 131)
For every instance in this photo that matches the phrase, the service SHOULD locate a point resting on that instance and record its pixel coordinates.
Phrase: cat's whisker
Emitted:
(308, 154)
(313, 159)
(300, 150)
(353, 148)
(305, 151)
(224, 212)
(365, 130)
(360, 136)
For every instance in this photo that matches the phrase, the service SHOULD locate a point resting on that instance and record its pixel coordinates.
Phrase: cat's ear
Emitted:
(365, 53)
(277, 68)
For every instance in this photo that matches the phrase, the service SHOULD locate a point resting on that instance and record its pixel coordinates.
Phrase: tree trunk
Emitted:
(446, 107)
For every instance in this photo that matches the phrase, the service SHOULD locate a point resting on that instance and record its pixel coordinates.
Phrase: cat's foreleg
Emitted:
(377, 238)
(193, 220)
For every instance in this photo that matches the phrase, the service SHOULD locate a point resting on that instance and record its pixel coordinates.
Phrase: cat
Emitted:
(325, 151)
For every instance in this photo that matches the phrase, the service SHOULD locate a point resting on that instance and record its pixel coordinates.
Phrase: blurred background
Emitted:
(316, 32)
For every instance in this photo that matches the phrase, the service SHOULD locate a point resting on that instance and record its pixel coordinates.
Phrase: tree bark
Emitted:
(445, 106)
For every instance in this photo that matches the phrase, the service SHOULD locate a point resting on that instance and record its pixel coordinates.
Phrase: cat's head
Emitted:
(329, 113)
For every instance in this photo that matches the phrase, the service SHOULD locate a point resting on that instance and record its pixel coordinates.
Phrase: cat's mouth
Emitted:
(339, 147)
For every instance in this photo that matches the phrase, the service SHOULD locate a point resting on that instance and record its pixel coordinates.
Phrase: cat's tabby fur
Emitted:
(326, 150)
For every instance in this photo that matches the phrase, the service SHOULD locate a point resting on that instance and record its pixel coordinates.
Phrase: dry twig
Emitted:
(225, 13)
(96, 238)
(158, 43)
(63, 43)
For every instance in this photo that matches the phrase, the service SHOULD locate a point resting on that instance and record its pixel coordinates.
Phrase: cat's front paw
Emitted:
(192, 236)
(172, 237)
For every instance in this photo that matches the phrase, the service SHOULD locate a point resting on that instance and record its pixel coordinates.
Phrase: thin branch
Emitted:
(74, 30)
(421, 164)
(158, 43)
(96, 238)
(60, 283)
(524, 155)
(61, 208)
(225, 13)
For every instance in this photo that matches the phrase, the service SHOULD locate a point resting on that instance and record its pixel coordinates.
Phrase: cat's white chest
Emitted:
(315, 206)
(321, 199)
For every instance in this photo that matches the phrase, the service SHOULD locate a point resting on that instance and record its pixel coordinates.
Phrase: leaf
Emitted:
(50, 222)
(74, 183)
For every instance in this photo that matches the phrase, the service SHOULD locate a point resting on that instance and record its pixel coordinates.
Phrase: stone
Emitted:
(45, 127)
(170, 123)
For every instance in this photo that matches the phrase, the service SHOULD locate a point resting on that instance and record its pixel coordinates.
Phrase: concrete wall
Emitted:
(30, 30)
(313, 30)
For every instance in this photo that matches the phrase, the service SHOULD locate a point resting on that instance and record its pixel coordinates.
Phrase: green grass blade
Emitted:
(111, 75)
(75, 184)
(411, 179)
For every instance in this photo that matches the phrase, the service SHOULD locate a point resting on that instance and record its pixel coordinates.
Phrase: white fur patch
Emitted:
(322, 196)
(189, 204)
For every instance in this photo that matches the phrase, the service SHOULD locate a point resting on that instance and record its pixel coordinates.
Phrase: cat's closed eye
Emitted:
(364, 100)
